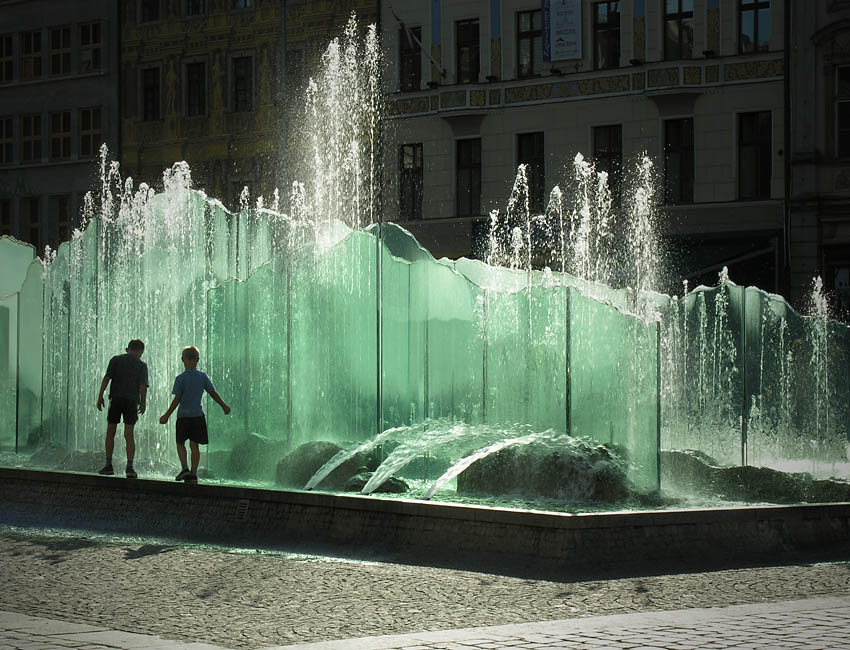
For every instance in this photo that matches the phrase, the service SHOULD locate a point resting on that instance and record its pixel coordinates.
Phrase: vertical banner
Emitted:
(561, 30)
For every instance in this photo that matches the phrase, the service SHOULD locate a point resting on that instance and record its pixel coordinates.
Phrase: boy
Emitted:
(189, 387)
(127, 398)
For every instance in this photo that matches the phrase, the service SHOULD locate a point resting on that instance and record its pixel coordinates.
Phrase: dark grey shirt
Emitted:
(127, 373)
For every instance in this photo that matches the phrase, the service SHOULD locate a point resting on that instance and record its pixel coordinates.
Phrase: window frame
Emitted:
(474, 58)
(686, 181)
(202, 107)
(840, 99)
(235, 105)
(32, 226)
(753, 6)
(411, 181)
(93, 135)
(31, 53)
(156, 101)
(156, 5)
(535, 168)
(677, 17)
(7, 140)
(59, 219)
(409, 61)
(607, 29)
(93, 48)
(532, 36)
(475, 171)
(61, 54)
(764, 155)
(7, 221)
(60, 136)
(7, 60)
(612, 156)
(31, 145)
(189, 13)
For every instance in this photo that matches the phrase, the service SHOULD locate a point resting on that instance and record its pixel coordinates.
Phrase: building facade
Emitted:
(819, 143)
(217, 82)
(699, 85)
(58, 104)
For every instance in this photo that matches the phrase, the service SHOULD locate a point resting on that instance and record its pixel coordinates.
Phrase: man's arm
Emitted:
(103, 385)
(220, 402)
(167, 414)
(143, 398)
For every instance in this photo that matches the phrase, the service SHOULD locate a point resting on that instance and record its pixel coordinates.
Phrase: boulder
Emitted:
(298, 466)
(254, 457)
(392, 485)
(582, 473)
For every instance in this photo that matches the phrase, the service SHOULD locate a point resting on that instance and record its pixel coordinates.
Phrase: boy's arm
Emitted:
(167, 414)
(103, 385)
(143, 397)
(220, 402)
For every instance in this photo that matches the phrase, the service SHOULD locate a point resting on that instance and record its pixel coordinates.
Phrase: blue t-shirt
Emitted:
(190, 386)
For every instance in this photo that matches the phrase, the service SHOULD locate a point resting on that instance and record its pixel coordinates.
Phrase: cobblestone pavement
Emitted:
(241, 600)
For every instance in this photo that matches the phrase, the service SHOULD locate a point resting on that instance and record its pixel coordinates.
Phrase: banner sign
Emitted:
(561, 30)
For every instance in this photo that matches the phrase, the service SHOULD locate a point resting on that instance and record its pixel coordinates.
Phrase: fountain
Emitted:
(345, 348)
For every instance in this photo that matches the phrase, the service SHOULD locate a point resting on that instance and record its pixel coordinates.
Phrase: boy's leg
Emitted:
(181, 453)
(196, 456)
(130, 442)
(111, 427)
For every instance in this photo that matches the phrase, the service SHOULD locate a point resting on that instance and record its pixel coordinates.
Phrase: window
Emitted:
(679, 161)
(468, 179)
(90, 44)
(754, 26)
(678, 29)
(243, 4)
(149, 11)
(60, 50)
(195, 8)
(410, 181)
(196, 89)
(31, 138)
(30, 55)
(6, 60)
(608, 154)
(6, 141)
(60, 135)
(529, 36)
(606, 33)
(6, 217)
(243, 83)
(59, 216)
(31, 220)
(466, 53)
(150, 94)
(410, 58)
(842, 111)
(91, 135)
(754, 155)
(529, 152)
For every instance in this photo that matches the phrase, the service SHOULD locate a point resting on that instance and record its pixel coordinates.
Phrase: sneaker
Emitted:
(191, 478)
(131, 473)
(183, 475)
(106, 470)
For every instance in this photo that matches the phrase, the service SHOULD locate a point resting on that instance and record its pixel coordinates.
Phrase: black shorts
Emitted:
(122, 407)
(194, 429)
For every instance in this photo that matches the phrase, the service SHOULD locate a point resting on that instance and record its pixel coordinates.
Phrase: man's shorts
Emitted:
(194, 429)
(122, 407)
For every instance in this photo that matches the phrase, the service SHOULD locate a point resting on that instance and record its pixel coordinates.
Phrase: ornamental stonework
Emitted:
(712, 74)
(663, 77)
(495, 96)
(477, 98)
(407, 106)
(752, 70)
(638, 81)
(692, 75)
(453, 99)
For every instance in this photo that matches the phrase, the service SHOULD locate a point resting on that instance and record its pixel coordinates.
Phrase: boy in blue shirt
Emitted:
(189, 387)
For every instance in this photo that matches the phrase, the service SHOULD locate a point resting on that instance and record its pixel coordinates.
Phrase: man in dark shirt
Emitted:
(127, 398)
